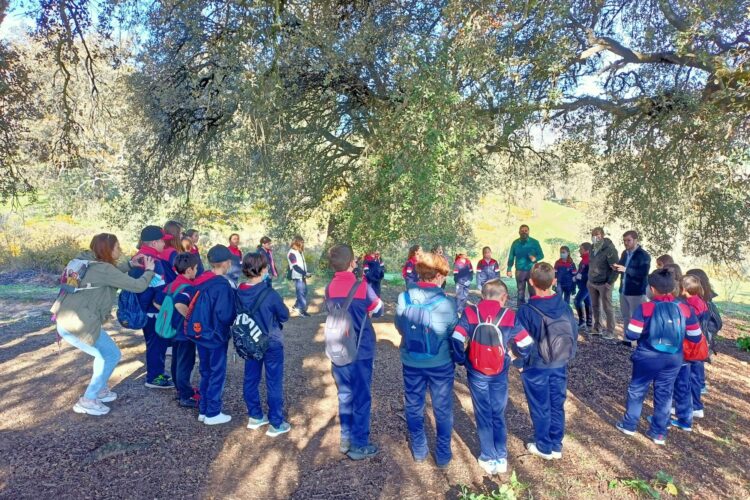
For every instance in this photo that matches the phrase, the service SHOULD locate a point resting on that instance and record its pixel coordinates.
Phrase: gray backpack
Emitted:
(341, 342)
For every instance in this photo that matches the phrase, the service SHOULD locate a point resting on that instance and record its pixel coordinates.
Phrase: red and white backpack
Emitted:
(486, 347)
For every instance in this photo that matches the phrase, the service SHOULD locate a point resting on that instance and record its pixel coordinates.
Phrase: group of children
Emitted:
(539, 338)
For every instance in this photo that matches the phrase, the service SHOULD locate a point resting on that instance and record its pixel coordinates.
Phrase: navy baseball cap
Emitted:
(219, 253)
(153, 233)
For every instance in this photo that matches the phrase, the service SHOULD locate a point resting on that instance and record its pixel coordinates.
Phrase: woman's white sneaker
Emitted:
(106, 396)
(90, 407)
(221, 418)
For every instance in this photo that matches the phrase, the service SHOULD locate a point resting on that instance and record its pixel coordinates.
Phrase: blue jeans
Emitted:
(439, 380)
(106, 356)
(354, 382)
(300, 288)
(582, 298)
(697, 383)
(273, 361)
(489, 395)
(183, 361)
(156, 350)
(545, 390)
(213, 368)
(662, 370)
(683, 397)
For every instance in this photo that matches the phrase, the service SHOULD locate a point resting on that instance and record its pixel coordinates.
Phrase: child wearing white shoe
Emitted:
(269, 313)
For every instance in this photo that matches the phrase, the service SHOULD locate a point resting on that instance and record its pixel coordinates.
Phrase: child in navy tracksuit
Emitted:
(582, 299)
(374, 271)
(488, 376)
(270, 317)
(654, 361)
(487, 268)
(565, 271)
(426, 357)
(687, 387)
(463, 275)
(213, 353)
(545, 384)
(409, 271)
(183, 350)
(354, 380)
(152, 244)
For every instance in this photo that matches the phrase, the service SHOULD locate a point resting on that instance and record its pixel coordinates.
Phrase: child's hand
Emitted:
(509, 274)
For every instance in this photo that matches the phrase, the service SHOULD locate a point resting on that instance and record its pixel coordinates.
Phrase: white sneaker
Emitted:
(535, 451)
(221, 418)
(169, 351)
(257, 423)
(673, 411)
(698, 414)
(487, 466)
(501, 466)
(201, 418)
(106, 396)
(89, 407)
(557, 455)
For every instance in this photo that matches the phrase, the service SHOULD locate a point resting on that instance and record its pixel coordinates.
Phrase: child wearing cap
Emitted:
(220, 308)
(153, 240)
(660, 327)
(183, 351)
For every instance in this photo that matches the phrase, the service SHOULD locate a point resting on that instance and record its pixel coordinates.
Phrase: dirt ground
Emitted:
(148, 447)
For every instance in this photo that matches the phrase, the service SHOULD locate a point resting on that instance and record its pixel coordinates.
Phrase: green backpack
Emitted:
(164, 328)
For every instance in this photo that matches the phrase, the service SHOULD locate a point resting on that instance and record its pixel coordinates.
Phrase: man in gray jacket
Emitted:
(602, 277)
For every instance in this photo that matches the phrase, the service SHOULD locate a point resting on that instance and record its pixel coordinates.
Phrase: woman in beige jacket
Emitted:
(80, 315)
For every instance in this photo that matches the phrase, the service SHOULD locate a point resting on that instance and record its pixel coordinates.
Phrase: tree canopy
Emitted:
(391, 118)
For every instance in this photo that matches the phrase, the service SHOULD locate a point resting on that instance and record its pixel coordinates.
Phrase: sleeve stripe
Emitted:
(525, 340)
(694, 332)
(458, 336)
(375, 306)
(634, 328)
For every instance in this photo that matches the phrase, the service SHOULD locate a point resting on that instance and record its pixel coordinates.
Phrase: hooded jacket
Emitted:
(272, 313)
(601, 261)
(83, 313)
(221, 292)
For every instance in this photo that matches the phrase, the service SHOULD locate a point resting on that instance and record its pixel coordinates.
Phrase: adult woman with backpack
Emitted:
(81, 310)
(425, 319)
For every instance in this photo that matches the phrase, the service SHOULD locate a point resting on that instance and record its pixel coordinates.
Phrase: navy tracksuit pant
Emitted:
(354, 382)
(273, 362)
(489, 395)
(439, 381)
(658, 368)
(683, 397)
(213, 368)
(697, 382)
(545, 390)
(183, 361)
(375, 286)
(462, 295)
(156, 350)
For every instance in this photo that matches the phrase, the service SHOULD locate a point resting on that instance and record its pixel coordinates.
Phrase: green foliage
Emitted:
(743, 343)
(663, 483)
(509, 491)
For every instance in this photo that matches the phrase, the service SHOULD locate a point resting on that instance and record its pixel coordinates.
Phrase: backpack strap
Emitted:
(540, 313)
(259, 301)
(350, 297)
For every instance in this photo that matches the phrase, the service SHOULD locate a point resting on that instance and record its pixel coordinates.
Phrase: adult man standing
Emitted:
(525, 252)
(634, 265)
(602, 277)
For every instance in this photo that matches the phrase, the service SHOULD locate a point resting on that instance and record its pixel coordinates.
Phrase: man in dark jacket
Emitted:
(634, 265)
(602, 277)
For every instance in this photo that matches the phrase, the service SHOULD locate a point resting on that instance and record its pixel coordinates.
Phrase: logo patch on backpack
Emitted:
(486, 347)
(249, 340)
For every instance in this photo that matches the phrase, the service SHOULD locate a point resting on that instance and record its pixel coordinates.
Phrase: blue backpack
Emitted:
(199, 324)
(417, 336)
(667, 328)
(129, 312)
(164, 328)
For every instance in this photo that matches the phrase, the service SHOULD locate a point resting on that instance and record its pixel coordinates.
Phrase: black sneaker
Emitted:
(160, 382)
(362, 452)
(189, 403)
